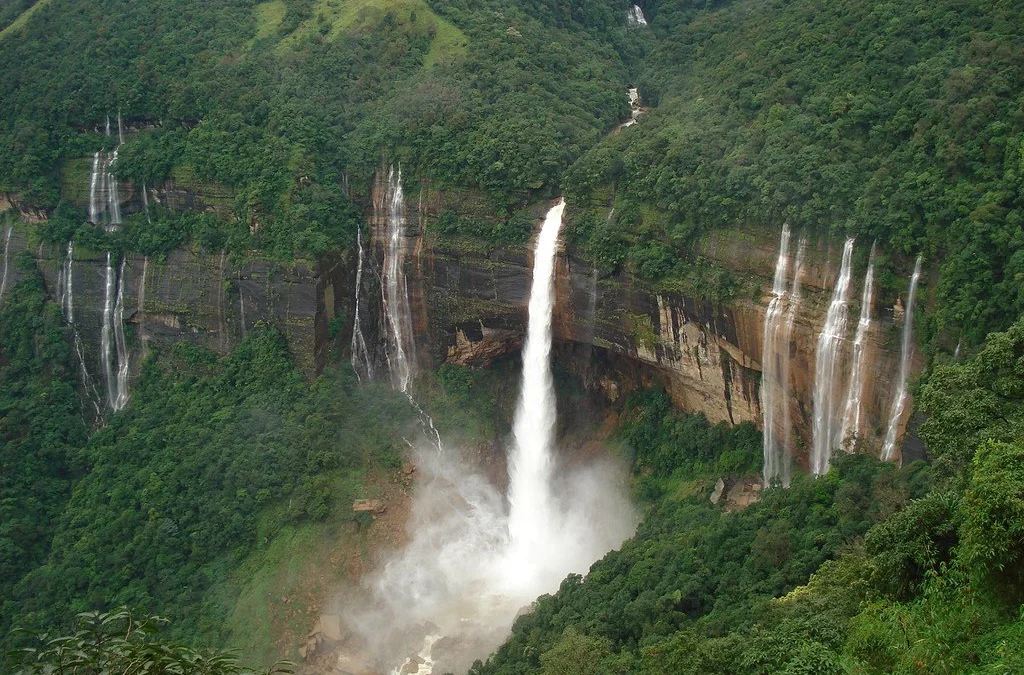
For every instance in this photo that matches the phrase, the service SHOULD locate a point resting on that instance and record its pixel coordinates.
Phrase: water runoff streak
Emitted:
(112, 340)
(827, 423)
(899, 402)
(66, 287)
(361, 362)
(7, 260)
(105, 210)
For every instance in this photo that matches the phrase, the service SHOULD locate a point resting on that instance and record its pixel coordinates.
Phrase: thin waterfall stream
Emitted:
(826, 368)
(899, 402)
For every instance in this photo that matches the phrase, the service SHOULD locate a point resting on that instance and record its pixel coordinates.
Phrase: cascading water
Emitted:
(7, 260)
(826, 364)
(636, 17)
(400, 354)
(851, 416)
(899, 402)
(771, 383)
(470, 564)
(778, 327)
(529, 468)
(635, 109)
(112, 342)
(104, 197)
(361, 361)
(66, 285)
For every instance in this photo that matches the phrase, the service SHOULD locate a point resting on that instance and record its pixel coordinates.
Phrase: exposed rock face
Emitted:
(469, 304)
(468, 301)
(206, 299)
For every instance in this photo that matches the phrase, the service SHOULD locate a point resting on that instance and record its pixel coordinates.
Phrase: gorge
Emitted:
(512, 337)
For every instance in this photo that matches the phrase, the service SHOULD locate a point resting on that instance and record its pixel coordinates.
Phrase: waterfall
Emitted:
(899, 402)
(851, 417)
(361, 362)
(400, 354)
(635, 110)
(66, 285)
(635, 17)
(112, 341)
(534, 427)
(472, 562)
(771, 382)
(7, 260)
(778, 327)
(67, 297)
(826, 363)
(104, 196)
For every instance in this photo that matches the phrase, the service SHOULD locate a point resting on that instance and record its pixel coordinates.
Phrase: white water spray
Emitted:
(826, 364)
(851, 415)
(104, 195)
(899, 402)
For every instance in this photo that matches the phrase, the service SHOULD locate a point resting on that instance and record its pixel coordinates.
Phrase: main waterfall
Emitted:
(529, 468)
(899, 402)
(400, 352)
(826, 364)
(474, 560)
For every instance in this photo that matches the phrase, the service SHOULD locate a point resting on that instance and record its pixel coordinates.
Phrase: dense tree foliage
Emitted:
(895, 122)
(212, 458)
(42, 431)
(118, 642)
(912, 570)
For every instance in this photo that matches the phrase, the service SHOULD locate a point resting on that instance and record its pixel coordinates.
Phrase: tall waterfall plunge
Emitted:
(778, 328)
(826, 404)
(851, 428)
(112, 340)
(899, 402)
(400, 352)
(472, 562)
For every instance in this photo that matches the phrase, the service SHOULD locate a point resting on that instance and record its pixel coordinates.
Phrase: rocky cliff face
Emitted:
(469, 301)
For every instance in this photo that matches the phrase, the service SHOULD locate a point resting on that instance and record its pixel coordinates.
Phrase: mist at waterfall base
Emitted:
(475, 559)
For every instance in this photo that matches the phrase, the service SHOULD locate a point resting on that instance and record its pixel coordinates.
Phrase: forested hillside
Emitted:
(871, 569)
(900, 123)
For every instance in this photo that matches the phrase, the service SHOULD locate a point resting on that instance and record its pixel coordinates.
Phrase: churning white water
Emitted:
(474, 560)
(826, 365)
(899, 402)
